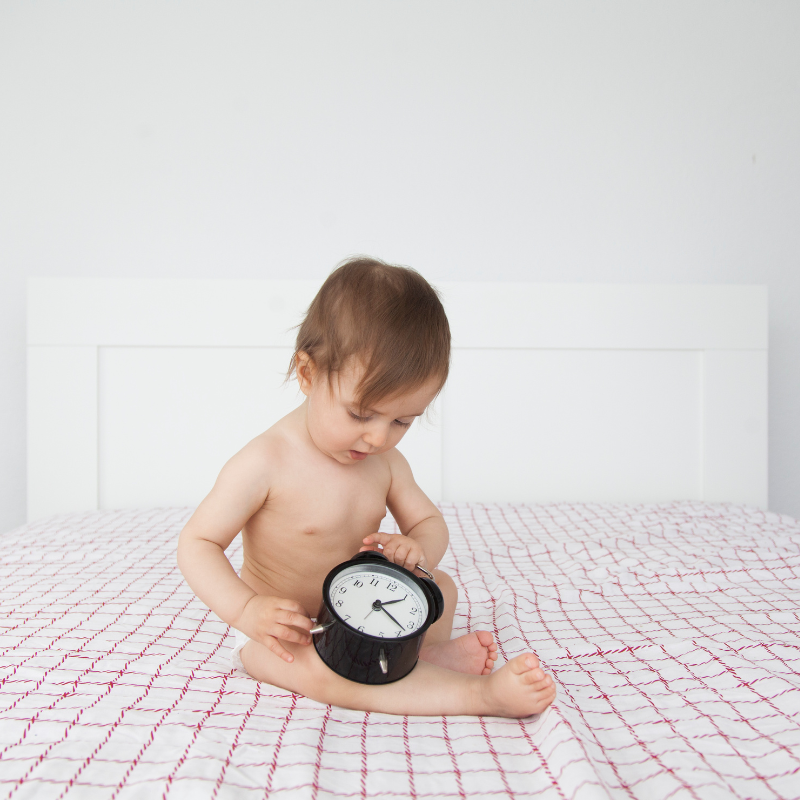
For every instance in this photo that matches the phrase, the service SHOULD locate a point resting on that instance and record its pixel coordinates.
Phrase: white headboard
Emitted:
(139, 391)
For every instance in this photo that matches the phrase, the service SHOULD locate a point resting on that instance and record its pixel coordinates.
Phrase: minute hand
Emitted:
(392, 618)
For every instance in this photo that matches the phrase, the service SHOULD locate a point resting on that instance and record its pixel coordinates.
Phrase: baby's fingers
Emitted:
(411, 559)
(294, 618)
(290, 634)
(271, 643)
(404, 553)
(377, 538)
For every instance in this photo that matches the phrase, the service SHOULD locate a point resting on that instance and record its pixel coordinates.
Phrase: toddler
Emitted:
(371, 355)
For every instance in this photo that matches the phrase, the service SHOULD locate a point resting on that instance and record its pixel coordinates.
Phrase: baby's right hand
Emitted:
(269, 619)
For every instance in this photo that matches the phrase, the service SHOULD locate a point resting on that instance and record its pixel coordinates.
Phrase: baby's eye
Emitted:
(357, 418)
(402, 424)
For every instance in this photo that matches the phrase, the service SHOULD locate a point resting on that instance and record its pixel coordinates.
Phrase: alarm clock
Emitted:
(373, 618)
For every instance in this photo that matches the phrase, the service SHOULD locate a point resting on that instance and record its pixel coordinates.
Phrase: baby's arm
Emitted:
(241, 489)
(425, 532)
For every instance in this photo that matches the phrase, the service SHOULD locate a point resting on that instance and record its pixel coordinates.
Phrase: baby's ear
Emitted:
(306, 371)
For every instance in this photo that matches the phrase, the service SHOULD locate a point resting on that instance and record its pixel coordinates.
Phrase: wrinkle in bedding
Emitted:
(672, 630)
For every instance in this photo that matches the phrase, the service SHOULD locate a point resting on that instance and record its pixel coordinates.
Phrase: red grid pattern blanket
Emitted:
(672, 631)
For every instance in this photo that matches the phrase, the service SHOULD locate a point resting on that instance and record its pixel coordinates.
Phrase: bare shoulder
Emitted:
(407, 502)
(241, 489)
(260, 460)
(398, 465)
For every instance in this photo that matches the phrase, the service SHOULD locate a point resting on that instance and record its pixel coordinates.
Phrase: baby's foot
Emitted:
(474, 653)
(518, 689)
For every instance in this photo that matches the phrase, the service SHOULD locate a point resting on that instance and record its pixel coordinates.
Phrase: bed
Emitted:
(633, 552)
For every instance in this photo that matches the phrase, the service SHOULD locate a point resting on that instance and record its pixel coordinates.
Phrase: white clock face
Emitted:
(375, 600)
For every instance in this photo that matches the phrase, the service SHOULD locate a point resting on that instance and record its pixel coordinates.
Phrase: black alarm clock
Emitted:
(373, 618)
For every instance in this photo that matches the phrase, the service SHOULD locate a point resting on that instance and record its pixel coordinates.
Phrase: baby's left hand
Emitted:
(397, 548)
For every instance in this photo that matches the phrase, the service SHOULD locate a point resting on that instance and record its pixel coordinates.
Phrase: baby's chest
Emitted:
(329, 504)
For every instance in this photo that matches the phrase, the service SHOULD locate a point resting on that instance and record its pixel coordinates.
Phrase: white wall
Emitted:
(559, 141)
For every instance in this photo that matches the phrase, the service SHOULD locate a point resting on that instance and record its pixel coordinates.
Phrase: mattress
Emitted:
(672, 630)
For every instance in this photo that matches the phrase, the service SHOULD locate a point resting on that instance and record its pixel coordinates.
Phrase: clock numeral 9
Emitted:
(342, 590)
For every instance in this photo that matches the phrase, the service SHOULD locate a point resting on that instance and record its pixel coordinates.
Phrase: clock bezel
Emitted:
(380, 560)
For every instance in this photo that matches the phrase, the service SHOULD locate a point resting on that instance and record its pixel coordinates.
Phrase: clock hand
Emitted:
(392, 619)
(389, 602)
(377, 604)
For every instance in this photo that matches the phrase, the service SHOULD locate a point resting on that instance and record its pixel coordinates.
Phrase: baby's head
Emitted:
(376, 342)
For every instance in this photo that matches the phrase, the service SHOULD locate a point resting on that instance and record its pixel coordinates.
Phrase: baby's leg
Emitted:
(474, 653)
(519, 689)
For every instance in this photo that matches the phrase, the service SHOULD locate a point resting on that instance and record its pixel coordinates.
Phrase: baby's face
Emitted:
(343, 432)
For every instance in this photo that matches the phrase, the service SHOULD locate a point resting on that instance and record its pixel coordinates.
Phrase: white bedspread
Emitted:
(673, 632)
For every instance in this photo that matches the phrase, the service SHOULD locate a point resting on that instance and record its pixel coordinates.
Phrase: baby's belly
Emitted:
(294, 574)
(305, 589)
(293, 543)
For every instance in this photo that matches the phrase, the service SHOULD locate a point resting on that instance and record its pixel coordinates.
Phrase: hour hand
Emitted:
(389, 602)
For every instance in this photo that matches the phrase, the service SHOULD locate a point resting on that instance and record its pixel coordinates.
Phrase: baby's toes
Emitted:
(542, 685)
(534, 676)
(522, 665)
(486, 639)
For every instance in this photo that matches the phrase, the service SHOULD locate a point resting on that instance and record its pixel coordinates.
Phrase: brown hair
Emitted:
(388, 317)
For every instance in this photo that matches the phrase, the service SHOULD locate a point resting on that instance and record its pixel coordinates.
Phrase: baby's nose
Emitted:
(375, 437)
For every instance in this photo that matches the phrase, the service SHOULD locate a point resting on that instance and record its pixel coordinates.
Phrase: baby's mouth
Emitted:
(357, 455)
